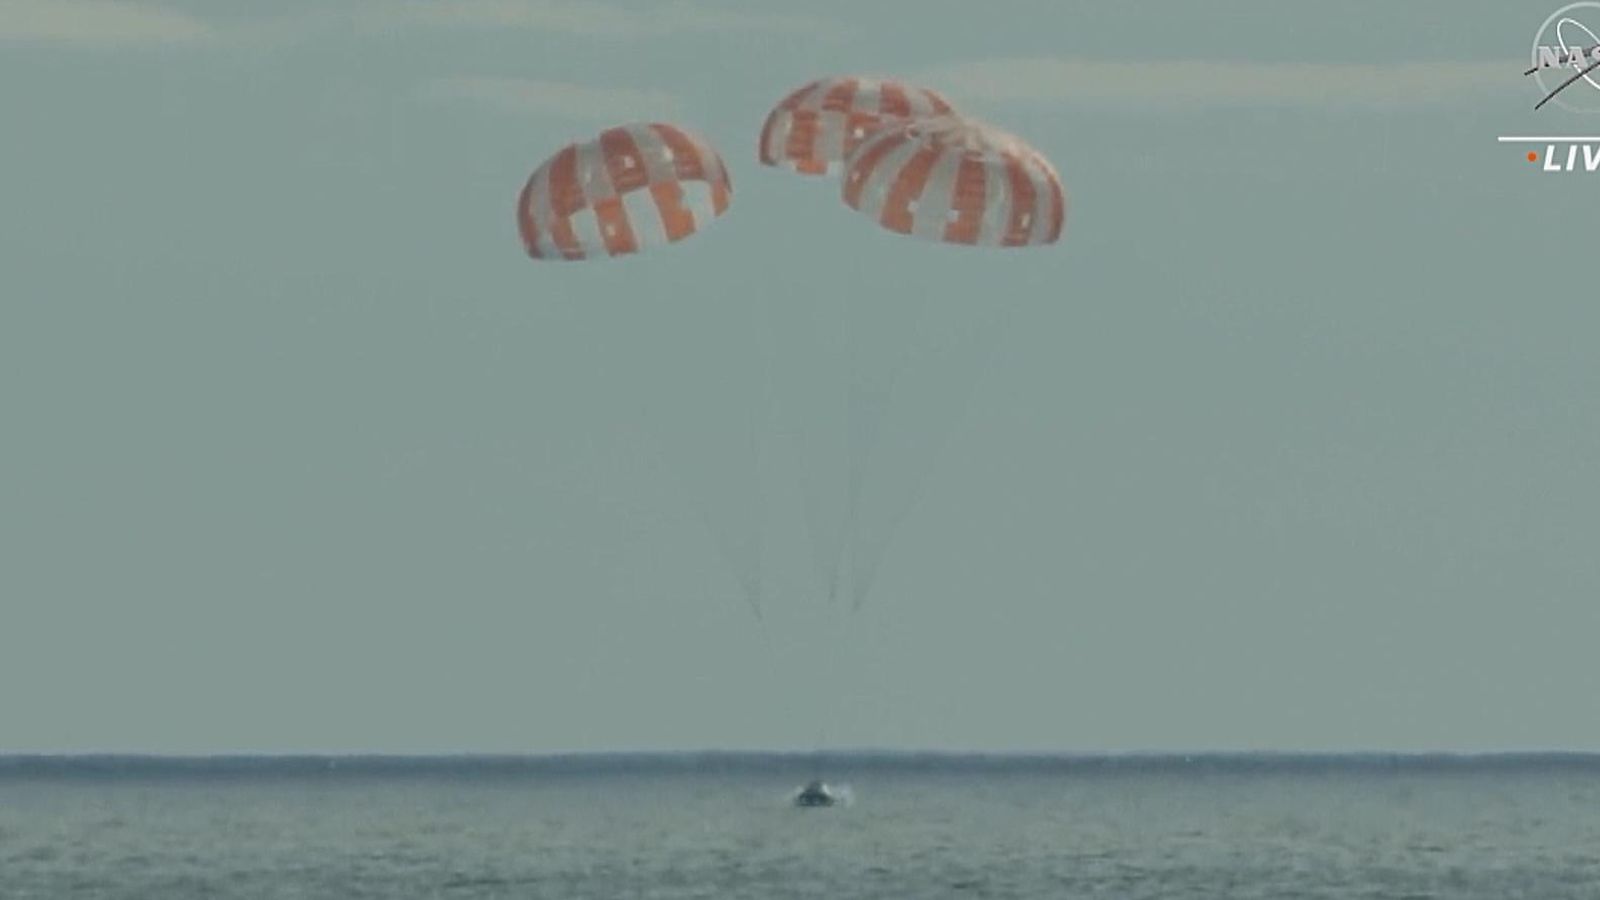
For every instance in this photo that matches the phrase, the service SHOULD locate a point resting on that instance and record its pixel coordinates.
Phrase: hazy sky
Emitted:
(1293, 442)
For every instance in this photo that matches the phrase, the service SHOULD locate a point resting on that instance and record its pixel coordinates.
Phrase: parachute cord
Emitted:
(859, 464)
(853, 448)
(768, 412)
(816, 759)
(761, 420)
(848, 345)
(767, 406)
(983, 338)
(834, 675)
(747, 576)
(749, 585)
(805, 433)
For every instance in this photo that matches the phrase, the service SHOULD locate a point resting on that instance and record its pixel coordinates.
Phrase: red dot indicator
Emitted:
(1532, 156)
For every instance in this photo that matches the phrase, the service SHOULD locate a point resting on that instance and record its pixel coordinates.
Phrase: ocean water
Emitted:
(721, 827)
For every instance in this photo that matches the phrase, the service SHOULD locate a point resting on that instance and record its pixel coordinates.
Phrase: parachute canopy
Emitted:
(954, 179)
(813, 129)
(634, 186)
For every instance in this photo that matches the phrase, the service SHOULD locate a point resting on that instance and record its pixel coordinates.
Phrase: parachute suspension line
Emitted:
(982, 339)
(749, 584)
(816, 756)
(801, 410)
(864, 436)
(834, 675)
(865, 432)
(653, 414)
(851, 343)
(865, 414)
(761, 420)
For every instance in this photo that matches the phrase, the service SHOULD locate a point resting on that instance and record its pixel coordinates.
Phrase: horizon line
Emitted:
(853, 752)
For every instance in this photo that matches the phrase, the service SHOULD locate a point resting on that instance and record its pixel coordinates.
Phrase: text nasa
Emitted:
(1559, 57)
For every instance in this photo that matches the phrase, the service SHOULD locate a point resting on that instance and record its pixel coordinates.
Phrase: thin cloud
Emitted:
(1179, 83)
(593, 18)
(101, 23)
(112, 22)
(519, 96)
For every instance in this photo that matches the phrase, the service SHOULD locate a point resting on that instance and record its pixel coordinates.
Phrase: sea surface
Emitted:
(720, 826)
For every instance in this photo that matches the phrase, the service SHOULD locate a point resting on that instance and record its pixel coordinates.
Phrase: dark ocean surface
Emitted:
(721, 826)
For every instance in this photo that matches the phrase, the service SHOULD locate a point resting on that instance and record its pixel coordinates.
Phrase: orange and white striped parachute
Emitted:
(953, 179)
(813, 129)
(634, 186)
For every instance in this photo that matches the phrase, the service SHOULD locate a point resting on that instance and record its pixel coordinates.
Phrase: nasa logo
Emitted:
(1563, 43)
(1566, 67)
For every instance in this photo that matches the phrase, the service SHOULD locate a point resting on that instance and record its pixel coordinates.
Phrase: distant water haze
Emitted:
(689, 826)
